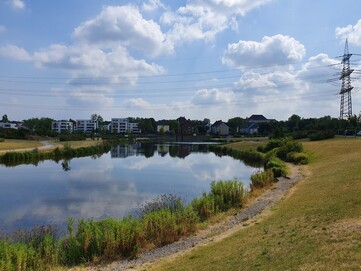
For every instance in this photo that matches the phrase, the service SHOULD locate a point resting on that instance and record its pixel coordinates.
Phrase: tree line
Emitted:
(295, 126)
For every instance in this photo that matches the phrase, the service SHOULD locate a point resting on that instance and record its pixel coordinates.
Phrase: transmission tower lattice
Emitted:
(346, 101)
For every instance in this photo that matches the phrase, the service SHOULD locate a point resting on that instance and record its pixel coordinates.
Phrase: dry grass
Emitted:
(78, 144)
(316, 228)
(13, 144)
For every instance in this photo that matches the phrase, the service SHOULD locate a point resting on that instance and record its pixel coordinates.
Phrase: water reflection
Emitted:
(108, 187)
(149, 149)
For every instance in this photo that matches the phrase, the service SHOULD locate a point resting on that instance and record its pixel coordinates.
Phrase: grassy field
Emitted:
(78, 144)
(13, 144)
(318, 227)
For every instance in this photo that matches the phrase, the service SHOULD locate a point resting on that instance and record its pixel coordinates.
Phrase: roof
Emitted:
(218, 123)
(257, 118)
(163, 122)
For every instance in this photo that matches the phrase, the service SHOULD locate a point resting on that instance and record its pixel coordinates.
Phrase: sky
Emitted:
(215, 59)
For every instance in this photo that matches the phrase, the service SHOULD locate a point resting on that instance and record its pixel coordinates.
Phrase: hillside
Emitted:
(317, 227)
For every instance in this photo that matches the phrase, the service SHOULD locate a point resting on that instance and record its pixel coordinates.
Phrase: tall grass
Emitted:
(261, 179)
(223, 196)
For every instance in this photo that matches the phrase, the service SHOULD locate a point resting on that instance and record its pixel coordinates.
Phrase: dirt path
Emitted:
(255, 210)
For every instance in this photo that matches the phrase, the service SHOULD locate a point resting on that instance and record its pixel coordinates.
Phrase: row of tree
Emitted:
(295, 125)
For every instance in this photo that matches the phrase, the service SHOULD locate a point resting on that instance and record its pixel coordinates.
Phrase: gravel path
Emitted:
(218, 231)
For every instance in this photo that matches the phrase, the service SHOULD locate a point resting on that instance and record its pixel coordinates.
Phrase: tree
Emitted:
(293, 123)
(38, 126)
(96, 117)
(355, 122)
(5, 118)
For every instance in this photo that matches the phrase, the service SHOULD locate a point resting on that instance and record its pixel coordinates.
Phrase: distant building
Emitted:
(60, 126)
(9, 125)
(252, 125)
(122, 126)
(220, 128)
(87, 126)
(163, 125)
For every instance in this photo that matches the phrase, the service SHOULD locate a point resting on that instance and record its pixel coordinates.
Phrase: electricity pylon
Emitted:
(345, 92)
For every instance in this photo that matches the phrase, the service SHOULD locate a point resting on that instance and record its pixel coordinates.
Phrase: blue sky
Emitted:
(214, 59)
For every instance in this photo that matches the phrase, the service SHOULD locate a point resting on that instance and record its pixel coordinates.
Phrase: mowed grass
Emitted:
(317, 227)
(16, 144)
(78, 144)
(13, 144)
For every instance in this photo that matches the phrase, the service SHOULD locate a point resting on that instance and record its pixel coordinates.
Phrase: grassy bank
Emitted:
(14, 158)
(317, 228)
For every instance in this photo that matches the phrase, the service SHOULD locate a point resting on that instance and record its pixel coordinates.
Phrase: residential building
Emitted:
(122, 125)
(60, 126)
(87, 126)
(253, 124)
(220, 128)
(9, 125)
(163, 125)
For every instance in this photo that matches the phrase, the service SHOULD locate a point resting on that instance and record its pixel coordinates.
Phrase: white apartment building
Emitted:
(8, 125)
(87, 126)
(62, 125)
(122, 125)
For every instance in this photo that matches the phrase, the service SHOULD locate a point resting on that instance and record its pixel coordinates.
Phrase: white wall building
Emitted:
(87, 126)
(8, 125)
(62, 125)
(122, 125)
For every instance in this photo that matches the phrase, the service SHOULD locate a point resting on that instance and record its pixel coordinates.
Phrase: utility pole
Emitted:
(345, 92)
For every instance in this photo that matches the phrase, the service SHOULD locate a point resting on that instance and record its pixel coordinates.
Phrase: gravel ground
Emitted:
(264, 202)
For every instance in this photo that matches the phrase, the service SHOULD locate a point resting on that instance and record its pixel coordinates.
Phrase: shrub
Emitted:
(298, 158)
(223, 196)
(321, 135)
(261, 179)
(277, 166)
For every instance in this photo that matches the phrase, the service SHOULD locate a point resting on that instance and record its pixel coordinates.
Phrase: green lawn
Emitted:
(318, 227)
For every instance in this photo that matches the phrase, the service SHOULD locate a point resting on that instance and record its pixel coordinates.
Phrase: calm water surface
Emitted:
(112, 185)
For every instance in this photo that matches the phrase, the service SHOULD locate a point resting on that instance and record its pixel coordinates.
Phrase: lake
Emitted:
(113, 185)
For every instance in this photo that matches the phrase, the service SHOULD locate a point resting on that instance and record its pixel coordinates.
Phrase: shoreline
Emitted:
(257, 208)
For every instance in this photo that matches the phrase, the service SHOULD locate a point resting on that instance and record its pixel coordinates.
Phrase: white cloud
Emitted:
(87, 61)
(153, 5)
(290, 91)
(204, 19)
(123, 25)
(91, 96)
(351, 32)
(2, 28)
(17, 4)
(141, 104)
(275, 50)
(15, 52)
(213, 97)
(230, 7)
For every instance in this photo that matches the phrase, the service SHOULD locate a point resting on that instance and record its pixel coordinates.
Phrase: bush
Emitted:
(321, 135)
(298, 158)
(261, 179)
(223, 196)
(277, 166)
